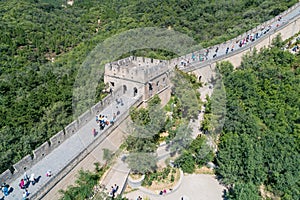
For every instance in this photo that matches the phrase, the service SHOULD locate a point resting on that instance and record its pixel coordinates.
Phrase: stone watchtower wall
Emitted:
(138, 75)
(28, 161)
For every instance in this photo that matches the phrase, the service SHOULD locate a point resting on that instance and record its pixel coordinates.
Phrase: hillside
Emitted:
(36, 94)
(259, 145)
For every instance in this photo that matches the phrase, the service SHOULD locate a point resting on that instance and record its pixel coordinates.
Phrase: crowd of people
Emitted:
(24, 184)
(214, 52)
(102, 120)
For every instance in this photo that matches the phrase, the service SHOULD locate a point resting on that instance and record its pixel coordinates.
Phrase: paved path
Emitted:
(233, 45)
(117, 175)
(112, 142)
(67, 151)
(192, 187)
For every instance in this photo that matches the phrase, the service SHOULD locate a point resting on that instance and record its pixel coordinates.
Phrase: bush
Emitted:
(186, 162)
(172, 178)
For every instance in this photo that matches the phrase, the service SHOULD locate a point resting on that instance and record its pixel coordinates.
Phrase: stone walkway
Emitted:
(220, 50)
(66, 152)
(117, 175)
(112, 142)
(192, 187)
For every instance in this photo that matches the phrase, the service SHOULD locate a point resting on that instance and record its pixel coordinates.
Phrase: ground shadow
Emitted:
(11, 189)
(37, 179)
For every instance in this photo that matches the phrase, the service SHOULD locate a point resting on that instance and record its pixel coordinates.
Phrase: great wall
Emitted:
(149, 81)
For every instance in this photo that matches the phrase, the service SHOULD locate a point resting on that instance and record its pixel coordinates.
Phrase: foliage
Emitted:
(155, 100)
(141, 162)
(107, 154)
(277, 41)
(243, 191)
(186, 101)
(260, 139)
(197, 153)
(36, 95)
(84, 185)
(144, 135)
(164, 175)
(182, 138)
(215, 106)
(186, 162)
(145, 128)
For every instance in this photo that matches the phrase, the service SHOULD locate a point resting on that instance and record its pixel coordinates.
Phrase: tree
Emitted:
(244, 191)
(107, 154)
(259, 141)
(141, 162)
(186, 162)
(182, 138)
(187, 101)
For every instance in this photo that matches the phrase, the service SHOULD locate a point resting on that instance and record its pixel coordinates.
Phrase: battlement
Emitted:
(138, 69)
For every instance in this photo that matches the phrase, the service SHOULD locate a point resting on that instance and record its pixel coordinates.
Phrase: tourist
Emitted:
(32, 179)
(22, 184)
(26, 178)
(4, 189)
(49, 174)
(94, 132)
(112, 192)
(113, 119)
(25, 194)
(97, 119)
(116, 188)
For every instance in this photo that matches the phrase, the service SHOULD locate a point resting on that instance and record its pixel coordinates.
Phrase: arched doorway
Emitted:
(135, 91)
(124, 89)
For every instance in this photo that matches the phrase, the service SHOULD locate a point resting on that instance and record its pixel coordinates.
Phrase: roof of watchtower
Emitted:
(138, 68)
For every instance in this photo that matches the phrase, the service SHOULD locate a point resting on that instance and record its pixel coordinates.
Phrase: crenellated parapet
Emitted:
(146, 76)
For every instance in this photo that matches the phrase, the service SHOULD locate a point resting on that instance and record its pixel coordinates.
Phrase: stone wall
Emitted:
(42, 151)
(20, 167)
(286, 31)
(66, 169)
(57, 139)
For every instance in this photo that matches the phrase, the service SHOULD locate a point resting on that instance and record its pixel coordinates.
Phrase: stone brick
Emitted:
(57, 139)
(23, 164)
(71, 128)
(41, 151)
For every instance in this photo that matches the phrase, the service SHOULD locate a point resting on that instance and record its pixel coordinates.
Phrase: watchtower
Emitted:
(138, 76)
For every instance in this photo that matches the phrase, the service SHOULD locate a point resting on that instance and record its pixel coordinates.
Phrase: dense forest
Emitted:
(36, 94)
(259, 146)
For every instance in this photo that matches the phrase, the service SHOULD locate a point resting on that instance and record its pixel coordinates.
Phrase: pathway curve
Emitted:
(192, 187)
